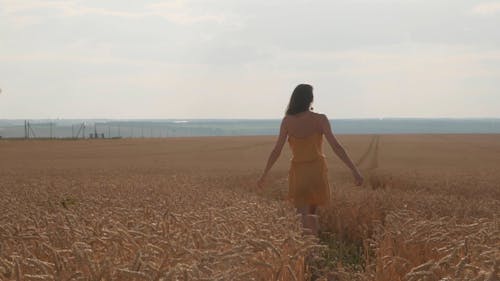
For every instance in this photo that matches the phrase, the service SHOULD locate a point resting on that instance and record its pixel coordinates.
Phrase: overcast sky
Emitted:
(242, 59)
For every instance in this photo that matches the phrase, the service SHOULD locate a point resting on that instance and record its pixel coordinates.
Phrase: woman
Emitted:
(307, 180)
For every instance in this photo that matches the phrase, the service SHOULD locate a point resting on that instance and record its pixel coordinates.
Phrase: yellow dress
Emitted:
(308, 175)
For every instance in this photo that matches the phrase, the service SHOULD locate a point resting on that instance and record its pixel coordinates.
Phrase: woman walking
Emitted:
(308, 185)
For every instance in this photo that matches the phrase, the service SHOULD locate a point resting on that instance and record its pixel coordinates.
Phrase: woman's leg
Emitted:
(309, 218)
(304, 211)
(313, 219)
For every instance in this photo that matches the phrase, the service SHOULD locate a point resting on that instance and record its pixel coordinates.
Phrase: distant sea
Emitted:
(66, 128)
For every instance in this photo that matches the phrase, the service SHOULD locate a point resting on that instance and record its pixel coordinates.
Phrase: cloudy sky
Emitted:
(242, 59)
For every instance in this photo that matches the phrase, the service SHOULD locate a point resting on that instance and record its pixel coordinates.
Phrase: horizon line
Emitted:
(249, 118)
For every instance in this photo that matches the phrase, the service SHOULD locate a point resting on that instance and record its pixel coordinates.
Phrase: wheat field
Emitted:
(187, 209)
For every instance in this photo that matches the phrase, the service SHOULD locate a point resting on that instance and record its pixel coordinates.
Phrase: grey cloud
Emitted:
(326, 25)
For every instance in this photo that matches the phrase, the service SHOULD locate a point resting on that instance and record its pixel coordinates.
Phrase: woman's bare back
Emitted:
(304, 124)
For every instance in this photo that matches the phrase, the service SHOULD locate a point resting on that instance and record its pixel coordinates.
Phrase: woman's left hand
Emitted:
(261, 182)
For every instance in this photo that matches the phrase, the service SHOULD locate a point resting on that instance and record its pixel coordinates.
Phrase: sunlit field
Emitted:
(188, 209)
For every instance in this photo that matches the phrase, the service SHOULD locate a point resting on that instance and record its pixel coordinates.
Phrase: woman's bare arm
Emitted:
(339, 150)
(275, 153)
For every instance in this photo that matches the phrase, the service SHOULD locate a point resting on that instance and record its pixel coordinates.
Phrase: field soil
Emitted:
(188, 209)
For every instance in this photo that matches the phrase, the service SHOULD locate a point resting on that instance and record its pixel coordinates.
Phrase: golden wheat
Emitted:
(180, 209)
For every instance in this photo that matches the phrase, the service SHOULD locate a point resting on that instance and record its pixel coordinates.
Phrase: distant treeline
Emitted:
(224, 127)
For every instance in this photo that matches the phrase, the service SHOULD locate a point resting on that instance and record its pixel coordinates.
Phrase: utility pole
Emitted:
(72, 131)
(51, 130)
(25, 129)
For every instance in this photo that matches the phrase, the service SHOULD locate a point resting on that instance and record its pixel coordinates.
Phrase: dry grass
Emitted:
(182, 209)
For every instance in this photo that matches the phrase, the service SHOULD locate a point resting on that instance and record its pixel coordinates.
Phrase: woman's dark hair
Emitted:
(301, 99)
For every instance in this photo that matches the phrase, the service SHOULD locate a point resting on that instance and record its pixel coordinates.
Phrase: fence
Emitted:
(45, 129)
(52, 130)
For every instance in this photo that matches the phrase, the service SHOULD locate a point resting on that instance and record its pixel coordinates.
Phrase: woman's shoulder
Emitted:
(320, 116)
